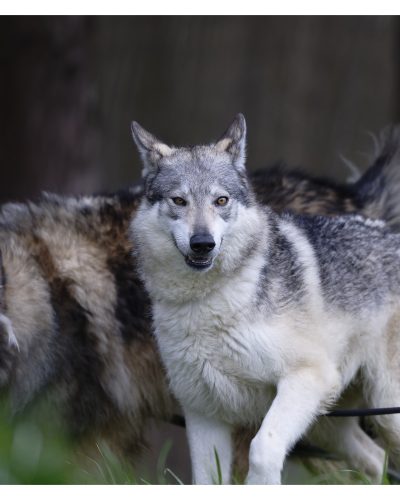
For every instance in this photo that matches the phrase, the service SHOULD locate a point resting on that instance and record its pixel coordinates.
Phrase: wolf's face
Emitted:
(196, 191)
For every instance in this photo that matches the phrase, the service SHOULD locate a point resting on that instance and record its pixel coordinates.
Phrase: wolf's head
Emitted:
(196, 192)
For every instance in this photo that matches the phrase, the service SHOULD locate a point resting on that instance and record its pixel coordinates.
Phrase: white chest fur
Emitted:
(207, 361)
(222, 355)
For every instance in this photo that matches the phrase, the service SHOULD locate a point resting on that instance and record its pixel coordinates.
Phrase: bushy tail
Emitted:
(378, 190)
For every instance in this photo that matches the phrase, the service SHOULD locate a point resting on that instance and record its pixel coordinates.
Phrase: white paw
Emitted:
(266, 478)
(265, 463)
(264, 470)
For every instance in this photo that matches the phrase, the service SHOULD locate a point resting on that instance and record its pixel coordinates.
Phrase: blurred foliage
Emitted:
(34, 449)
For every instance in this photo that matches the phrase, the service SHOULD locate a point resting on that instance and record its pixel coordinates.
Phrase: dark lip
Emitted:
(197, 263)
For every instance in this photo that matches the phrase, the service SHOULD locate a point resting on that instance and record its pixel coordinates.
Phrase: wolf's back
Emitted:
(375, 195)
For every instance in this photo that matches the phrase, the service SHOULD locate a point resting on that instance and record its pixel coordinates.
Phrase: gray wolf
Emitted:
(75, 321)
(261, 319)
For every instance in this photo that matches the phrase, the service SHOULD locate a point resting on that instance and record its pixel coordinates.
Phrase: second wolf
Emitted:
(261, 319)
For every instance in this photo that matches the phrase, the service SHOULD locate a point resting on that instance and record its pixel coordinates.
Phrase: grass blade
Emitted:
(219, 472)
(169, 471)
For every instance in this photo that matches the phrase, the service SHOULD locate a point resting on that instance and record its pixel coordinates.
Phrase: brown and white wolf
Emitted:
(75, 319)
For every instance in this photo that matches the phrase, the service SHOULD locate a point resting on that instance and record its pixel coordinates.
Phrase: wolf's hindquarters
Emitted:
(382, 386)
(344, 438)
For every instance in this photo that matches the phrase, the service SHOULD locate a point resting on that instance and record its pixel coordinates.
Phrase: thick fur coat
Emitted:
(261, 319)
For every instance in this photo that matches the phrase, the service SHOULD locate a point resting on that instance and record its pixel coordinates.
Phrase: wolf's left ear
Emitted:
(150, 148)
(234, 141)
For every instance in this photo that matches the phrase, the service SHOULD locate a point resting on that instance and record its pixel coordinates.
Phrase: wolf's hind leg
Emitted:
(382, 389)
(388, 426)
(345, 438)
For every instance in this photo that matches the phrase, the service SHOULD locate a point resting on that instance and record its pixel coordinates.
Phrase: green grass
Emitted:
(349, 476)
(34, 450)
(218, 479)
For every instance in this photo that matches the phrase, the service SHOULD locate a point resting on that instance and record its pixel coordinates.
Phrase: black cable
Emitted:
(365, 412)
(357, 412)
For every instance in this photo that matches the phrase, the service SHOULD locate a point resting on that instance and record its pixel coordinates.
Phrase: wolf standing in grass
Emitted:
(261, 319)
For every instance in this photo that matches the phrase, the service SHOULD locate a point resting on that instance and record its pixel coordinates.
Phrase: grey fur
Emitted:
(287, 310)
(358, 260)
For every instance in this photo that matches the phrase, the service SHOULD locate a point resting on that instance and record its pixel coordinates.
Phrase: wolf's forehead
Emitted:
(189, 181)
(197, 158)
(196, 169)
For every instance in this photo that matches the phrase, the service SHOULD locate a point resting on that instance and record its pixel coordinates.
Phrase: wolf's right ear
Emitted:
(234, 142)
(150, 148)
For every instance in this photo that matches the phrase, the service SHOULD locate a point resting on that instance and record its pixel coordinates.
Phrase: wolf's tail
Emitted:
(378, 190)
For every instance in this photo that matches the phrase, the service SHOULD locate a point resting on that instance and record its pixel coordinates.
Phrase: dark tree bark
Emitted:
(48, 138)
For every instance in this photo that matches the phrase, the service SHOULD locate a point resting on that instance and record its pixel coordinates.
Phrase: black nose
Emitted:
(202, 243)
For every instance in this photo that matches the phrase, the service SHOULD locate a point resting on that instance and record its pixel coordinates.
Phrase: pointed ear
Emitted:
(234, 141)
(150, 148)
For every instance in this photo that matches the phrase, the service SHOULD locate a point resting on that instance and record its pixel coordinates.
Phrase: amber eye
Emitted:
(221, 201)
(179, 201)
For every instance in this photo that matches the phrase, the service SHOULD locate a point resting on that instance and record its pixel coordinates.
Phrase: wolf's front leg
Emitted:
(207, 437)
(299, 399)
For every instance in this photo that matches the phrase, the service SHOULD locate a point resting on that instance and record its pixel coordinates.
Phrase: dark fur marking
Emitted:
(86, 211)
(282, 259)
(126, 197)
(107, 225)
(77, 360)
(301, 193)
(133, 305)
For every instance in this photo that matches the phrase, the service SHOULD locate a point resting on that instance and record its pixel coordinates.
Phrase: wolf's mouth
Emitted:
(198, 263)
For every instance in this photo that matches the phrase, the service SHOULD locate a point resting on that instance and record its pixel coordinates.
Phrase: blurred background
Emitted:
(311, 88)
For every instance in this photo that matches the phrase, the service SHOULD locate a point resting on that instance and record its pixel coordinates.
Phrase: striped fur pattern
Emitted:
(79, 316)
